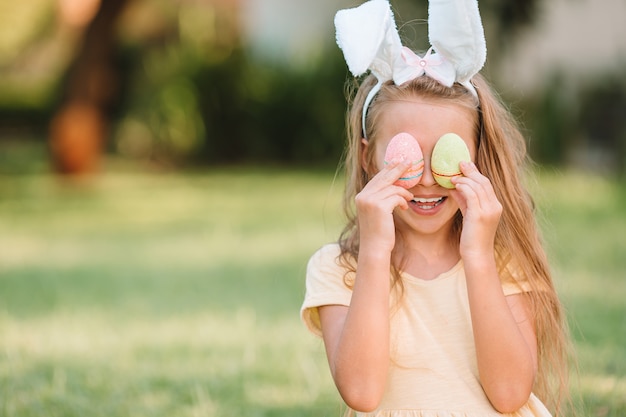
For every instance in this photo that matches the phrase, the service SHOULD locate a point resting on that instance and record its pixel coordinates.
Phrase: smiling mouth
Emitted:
(428, 203)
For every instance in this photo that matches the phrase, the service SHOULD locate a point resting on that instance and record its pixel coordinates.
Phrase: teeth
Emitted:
(427, 200)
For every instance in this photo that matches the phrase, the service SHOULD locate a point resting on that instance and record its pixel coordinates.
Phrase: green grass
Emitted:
(178, 295)
(584, 222)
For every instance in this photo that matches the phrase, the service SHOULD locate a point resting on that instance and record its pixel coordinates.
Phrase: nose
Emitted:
(427, 177)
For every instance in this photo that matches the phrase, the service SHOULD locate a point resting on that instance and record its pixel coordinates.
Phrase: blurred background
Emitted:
(167, 167)
(204, 82)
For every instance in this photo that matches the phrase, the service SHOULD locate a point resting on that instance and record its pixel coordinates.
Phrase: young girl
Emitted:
(435, 302)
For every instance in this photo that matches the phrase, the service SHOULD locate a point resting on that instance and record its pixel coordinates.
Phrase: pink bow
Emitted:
(410, 66)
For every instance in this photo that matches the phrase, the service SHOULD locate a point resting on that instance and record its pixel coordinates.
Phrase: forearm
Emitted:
(360, 360)
(357, 337)
(506, 360)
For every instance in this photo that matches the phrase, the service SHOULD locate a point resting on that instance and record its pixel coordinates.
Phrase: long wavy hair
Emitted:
(501, 156)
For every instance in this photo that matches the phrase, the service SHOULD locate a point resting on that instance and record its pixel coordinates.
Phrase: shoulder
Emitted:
(328, 277)
(326, 253)
(327, 264)
(514, 278)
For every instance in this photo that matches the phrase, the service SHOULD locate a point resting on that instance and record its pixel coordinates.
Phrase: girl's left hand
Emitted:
(481, 211)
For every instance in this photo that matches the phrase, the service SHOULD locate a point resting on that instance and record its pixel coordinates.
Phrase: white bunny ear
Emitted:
(368, 37)
(456, 32)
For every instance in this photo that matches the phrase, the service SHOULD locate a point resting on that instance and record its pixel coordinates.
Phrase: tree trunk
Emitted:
(79, 127)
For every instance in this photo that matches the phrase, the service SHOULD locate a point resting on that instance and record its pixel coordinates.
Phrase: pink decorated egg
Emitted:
(402, 147)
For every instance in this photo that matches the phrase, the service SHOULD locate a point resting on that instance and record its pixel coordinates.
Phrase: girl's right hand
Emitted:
(375, 205)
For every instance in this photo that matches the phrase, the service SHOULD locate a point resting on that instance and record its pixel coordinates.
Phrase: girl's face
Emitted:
(432, 210)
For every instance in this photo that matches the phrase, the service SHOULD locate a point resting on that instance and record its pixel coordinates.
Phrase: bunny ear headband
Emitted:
(369, 39)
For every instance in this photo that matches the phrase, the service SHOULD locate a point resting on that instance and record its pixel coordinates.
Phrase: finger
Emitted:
(467, 196)
(479, 183)
(401, 203)
(468, 168)
(392, 172)
(478, 193)
(388, 196)
(473, 194)
(396, 196)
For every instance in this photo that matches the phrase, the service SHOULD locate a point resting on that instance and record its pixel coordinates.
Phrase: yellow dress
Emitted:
(433, 370)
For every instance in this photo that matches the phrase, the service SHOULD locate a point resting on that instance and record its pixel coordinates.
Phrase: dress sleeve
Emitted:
(324, 286)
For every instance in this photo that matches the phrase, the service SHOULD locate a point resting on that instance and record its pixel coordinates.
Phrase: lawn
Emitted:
(138, 294)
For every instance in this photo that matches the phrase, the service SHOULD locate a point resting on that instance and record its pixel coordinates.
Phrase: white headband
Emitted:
(369, 39)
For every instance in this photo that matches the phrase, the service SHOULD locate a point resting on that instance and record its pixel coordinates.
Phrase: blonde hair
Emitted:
(501, 157)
